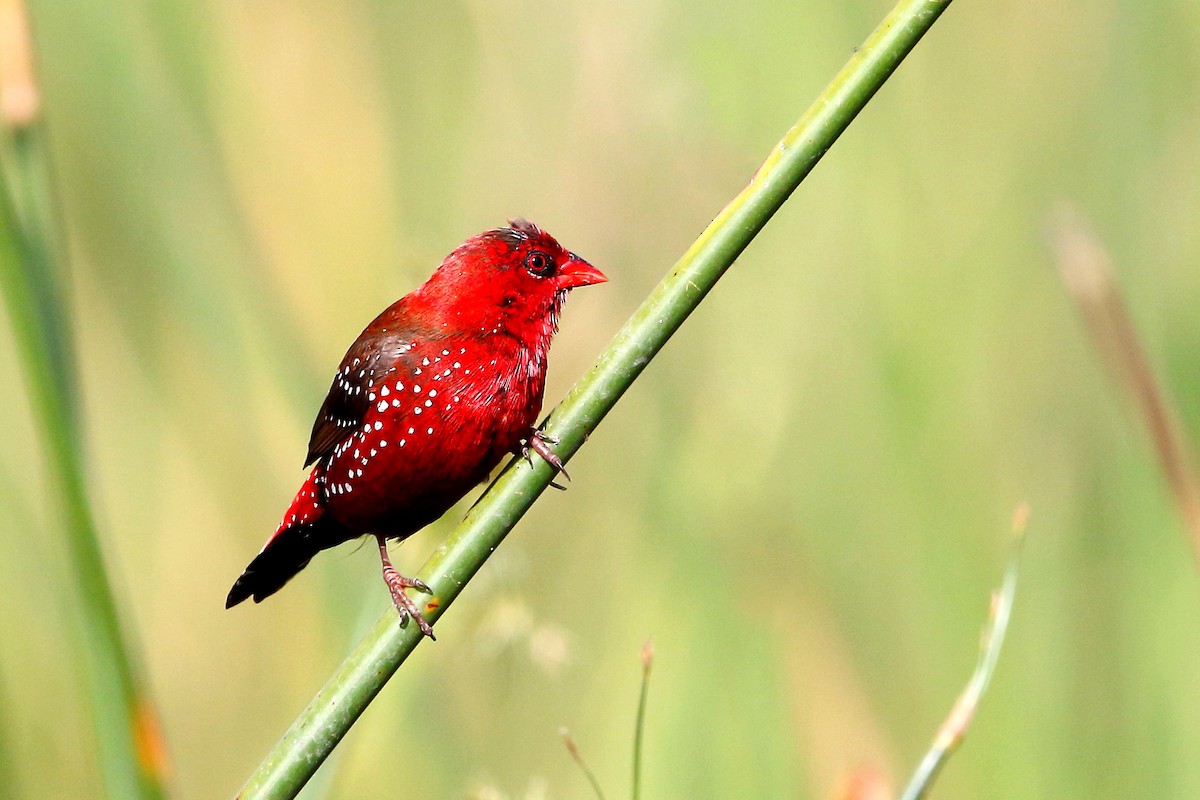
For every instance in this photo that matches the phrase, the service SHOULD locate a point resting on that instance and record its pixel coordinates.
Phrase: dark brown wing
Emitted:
(369, 362)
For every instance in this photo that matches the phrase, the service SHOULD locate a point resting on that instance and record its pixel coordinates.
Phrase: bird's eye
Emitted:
(539, 264)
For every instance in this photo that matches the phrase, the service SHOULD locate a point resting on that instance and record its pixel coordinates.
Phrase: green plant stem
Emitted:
(639, 727)
(577, 757)
(951, 734)
(31, 277)
(323, 723)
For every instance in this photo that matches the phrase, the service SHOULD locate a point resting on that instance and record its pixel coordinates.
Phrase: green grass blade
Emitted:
(951, 734)
(640, 726)
(577, 757)
(126, 730)
(323, 723)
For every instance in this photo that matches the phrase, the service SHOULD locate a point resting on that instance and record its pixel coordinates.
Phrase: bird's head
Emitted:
(507, 280)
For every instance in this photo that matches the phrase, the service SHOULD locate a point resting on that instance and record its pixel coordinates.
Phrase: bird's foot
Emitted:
(539, 442)
(407, 607)
(396, 584)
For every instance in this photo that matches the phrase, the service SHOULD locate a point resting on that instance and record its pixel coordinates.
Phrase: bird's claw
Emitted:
(420, 585)
(396, 584)
(540, 443)
(407, 607)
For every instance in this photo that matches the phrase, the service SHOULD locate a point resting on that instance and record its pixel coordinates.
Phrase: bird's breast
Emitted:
(435, 427)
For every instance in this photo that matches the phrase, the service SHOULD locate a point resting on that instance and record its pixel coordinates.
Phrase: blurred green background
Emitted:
(804, 502)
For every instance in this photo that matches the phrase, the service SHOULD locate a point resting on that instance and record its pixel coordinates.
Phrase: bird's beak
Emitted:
(577, 272)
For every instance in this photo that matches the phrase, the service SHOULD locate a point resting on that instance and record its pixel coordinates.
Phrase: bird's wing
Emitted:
(367, 365)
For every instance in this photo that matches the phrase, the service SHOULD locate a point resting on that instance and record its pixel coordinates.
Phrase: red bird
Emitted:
(426, 402)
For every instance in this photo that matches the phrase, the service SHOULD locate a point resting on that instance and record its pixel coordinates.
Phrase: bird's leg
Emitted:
(397, 583)
(539, 442)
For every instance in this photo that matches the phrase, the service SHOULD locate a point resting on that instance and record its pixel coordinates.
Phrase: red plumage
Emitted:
(426, 402)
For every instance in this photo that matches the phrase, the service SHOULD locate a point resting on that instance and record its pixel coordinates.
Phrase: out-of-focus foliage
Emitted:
(804, 501)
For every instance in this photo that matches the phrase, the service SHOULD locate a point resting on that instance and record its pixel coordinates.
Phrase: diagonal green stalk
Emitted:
(31, 277)
(639, 727)
(339, 703)
(577, 757)
(952, 731)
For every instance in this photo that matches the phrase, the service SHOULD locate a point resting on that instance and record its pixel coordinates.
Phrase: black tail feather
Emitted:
(279, 561)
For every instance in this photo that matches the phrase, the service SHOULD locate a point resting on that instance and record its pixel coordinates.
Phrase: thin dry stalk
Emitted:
(1086, 270)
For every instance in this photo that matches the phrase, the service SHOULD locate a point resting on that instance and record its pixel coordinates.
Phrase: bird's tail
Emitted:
(304, 532)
